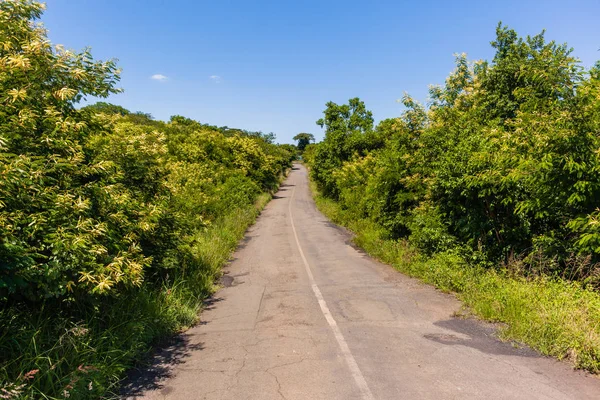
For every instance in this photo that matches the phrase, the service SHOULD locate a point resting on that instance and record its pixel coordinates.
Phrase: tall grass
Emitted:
(554, 316)
(78, 351)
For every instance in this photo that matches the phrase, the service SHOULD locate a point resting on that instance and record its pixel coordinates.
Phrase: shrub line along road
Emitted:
(305, 315)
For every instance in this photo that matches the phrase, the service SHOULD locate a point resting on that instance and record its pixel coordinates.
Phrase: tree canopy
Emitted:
(304, 139)
(503, 162)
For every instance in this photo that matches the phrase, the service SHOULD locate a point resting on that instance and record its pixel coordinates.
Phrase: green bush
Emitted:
(491, 191)
(504, 160)
(113, 226)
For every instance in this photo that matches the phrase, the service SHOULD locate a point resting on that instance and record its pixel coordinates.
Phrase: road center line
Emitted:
(354, 369)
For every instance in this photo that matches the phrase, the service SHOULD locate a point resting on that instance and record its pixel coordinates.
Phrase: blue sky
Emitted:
(272, 65)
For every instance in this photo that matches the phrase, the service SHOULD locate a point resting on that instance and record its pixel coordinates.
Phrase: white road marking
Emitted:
(354, 369)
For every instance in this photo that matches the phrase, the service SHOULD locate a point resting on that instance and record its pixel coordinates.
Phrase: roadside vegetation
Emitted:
(113, 226)
(490, 191)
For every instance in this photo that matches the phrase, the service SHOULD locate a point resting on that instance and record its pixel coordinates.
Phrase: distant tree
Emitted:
(291, 149)
(113, 109)
(269, 137)
(107, 108)
(140, 117)
(184, 121)
(304, 139)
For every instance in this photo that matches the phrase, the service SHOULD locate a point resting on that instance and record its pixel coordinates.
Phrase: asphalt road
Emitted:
(305, 315)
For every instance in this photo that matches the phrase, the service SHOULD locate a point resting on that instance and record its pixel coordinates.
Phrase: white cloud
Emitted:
(159, 77)
(215, 78)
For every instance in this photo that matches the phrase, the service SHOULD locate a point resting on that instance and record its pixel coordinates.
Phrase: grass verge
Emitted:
(82, 351)
(556, 317)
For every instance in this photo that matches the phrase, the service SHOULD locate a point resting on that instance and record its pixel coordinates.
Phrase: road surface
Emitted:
(305, 315)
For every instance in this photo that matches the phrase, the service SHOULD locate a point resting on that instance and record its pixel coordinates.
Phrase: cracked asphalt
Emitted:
(265, 334)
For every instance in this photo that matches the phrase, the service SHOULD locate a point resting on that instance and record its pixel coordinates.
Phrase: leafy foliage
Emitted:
(100, 206)
(346, 129)
(304, 139)
(52, 240)
(504, 162)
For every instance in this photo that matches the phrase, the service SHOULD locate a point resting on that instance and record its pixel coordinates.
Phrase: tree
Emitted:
(107, 108)
(304, 139)
(347, 128)
(504, 160)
